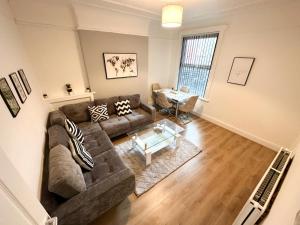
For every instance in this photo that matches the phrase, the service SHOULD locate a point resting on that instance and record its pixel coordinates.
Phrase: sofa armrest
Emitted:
(97, 199)
(57, 118)
(150, 109)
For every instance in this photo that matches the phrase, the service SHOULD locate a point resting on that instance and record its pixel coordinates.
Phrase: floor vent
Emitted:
(260, 200)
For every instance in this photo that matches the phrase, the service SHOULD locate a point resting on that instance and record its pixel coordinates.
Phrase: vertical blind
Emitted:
(196, 61)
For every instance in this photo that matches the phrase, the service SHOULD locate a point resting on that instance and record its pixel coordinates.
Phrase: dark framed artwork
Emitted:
(240, 70)
(18, 86)
(24, 81)
(120, 65)
(9, 98)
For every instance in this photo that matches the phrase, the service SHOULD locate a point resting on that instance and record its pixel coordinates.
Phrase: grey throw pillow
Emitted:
(65, 175)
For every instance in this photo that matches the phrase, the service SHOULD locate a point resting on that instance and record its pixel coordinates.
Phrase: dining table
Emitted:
(175, 96)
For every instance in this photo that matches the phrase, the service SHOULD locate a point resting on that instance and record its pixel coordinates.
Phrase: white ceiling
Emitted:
(193, 9)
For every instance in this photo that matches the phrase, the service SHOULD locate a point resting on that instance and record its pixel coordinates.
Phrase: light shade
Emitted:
(171, 16)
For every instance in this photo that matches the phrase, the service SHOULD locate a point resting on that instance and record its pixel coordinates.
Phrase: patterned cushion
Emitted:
(81, 156)
(74, 131)
(98, 112)
(123, 107)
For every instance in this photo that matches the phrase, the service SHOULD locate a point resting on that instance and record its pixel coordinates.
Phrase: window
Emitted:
(196, 61)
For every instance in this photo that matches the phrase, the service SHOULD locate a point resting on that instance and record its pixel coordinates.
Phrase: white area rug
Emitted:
(163, 163)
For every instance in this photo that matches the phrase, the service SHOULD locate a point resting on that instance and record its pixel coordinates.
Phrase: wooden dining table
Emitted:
(178, 97)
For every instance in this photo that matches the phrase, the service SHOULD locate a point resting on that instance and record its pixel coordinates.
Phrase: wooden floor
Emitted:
(208, 190)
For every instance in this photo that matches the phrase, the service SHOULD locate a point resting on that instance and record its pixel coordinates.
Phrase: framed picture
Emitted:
(24, 81)
(240, 70)
(9, 98)
(18, 86)
(120, 65)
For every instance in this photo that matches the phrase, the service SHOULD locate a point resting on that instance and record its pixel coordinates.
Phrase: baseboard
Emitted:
(239, 131)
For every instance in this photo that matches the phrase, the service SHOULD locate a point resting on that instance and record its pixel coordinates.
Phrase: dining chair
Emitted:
(185, 89)
(155, 86)
(163, 103)
(189, 105)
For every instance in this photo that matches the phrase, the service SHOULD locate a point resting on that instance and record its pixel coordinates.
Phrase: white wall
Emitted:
(22, 138)
(159, 62)
(267, 109)
(287, 204)
(49, 30)
(49, 34)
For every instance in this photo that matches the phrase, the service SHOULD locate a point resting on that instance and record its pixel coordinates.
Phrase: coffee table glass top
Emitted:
(149, 136)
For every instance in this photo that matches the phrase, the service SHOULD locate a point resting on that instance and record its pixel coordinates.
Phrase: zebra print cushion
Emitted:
(123, 107)
(81, 155)
(73, 130)
(98, 112)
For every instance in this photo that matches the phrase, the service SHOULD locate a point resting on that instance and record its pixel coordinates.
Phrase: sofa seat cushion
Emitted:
(106, 164)
(77, 112)
(115, 125)
(138, 117)
(97, 143)
(110, 102)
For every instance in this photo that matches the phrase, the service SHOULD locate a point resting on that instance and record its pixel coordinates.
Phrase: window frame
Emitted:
(217, 51)
(211, 64)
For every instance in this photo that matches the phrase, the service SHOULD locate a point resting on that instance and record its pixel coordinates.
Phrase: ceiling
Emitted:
(192, 8)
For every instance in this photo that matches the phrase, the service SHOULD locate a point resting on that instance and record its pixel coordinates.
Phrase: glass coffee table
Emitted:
(155, 137)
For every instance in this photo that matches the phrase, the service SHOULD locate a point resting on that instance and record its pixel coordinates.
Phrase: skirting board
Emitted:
(238, 131)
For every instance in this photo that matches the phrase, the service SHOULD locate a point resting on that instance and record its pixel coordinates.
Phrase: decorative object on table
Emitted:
(9, 98)
(240, 70)
(163, 163)
(69, 89)
(123, 107)
(159, 128)
(18, 86)
(120, 65)
(98, 112)
(24, 81)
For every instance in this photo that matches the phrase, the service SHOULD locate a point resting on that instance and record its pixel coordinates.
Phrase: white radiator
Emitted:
(259, 200)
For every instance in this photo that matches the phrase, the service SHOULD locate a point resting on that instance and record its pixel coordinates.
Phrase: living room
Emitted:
(55, 66)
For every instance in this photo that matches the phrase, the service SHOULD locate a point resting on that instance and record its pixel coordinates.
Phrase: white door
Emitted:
(18, 205)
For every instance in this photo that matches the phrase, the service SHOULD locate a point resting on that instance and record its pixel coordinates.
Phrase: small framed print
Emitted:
(9, 98)
(18, 86)
(24, 81)
(240, 70)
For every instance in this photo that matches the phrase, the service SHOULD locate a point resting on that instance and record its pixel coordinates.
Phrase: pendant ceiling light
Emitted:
(171, 16)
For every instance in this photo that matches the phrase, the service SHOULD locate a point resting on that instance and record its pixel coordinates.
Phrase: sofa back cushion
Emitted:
(58, 136)
(135, 100)
(57, 118)
(77, 112)
(65, 175)
(110, 104)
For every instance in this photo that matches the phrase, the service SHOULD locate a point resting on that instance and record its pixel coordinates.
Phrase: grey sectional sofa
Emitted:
(110, 181)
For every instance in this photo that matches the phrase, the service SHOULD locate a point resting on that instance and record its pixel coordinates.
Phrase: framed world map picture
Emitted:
(120, 65)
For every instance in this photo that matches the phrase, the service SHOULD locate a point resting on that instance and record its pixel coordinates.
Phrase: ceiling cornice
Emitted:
(120, 8)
